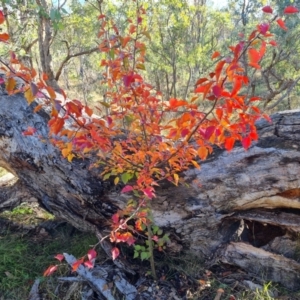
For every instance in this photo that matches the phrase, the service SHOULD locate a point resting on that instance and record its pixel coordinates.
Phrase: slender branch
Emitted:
(283, 96)
(70, 56)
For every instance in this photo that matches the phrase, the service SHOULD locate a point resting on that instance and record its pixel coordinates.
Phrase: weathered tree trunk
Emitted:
(240, 208)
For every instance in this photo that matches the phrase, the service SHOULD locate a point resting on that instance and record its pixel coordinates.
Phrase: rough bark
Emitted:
(241, 207)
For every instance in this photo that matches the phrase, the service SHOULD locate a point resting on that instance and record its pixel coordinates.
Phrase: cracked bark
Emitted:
(243, 204)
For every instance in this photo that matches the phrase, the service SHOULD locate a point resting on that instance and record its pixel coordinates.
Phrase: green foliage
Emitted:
(22, 260)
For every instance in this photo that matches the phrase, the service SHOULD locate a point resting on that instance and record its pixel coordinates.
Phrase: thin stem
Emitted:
(151, 258)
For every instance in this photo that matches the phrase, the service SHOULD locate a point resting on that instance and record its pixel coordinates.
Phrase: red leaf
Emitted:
(126, 237)
(217, 91)
(229, 143)
(128, 80)
(281, 23)
(56, 125)
(115, 217)
(29, 131)
(219, 113)
(273, 43)
(219, 68)
(209, 132)
(176, 103)
(253, 135)
(215, 55)
(88, 110)
(92, 254)
(236, 87)
(60, 257)
(246, 142)
(155, 238)
(115, 253)
(184, 132)
(50, 270)
(254, 55)
(73, 108)
(254, 65)
(291, 10)
(263, 28)
(2, 18)
(149, 192)
(127, 188)
(267, 9)
(201, 80)
(89, 264)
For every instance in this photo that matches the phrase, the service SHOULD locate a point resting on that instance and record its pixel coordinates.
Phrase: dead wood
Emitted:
(242, 196)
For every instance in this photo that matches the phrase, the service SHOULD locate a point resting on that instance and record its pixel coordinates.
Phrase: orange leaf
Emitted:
(4, 37)
(202, 152)
(50, 270)
(29, 96)
(125, 40)
(132, 28)
(38, 107)
(176, 178)
(45, 76)
(76, 264)
(196, 165)
(215, 55)
(10, 85)
(51, 92)
(229, 143)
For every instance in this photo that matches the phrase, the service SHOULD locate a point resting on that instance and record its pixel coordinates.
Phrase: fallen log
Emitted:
(242, 196)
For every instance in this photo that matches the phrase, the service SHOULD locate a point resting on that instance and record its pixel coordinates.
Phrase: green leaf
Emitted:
(126, 177)
(104, 104)
(140, 66)
(106, 176)
(136, 254)
(147, 34)
(155, 229)
(145, 255)
(112, 54)
(137, 247)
